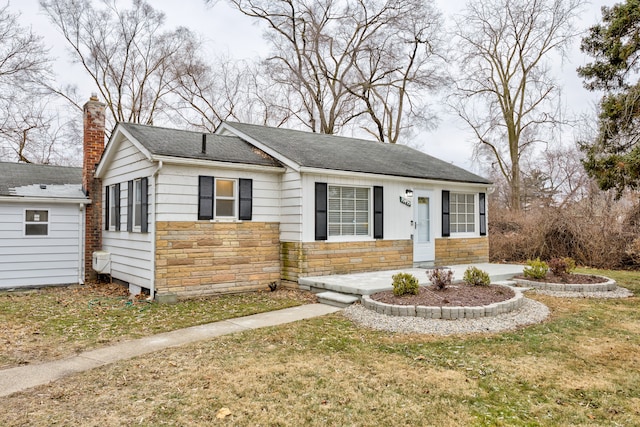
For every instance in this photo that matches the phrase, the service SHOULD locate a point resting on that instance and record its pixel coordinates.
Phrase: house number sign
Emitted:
(405, 201)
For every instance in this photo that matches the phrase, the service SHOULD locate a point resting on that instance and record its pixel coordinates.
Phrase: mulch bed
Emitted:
(573, 279)
(452, 296)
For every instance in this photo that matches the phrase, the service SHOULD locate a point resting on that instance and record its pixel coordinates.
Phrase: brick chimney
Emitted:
(93, 146)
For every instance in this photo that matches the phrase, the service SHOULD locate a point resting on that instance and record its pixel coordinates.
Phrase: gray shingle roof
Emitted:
(25, 179)
(188, 144)
(356, 155)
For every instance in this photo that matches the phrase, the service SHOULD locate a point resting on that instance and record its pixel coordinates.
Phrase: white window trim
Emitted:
(112, 208)
(137, 188)
(353, 237)
(476, 216)
(235, 198)
(25, 222)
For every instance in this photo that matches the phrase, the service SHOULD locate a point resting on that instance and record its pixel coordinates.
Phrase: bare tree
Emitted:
(505, 90)
(128, 54)
(33, 130)
(566, 175)
(25, 117)
(351, 62)
(230, 90)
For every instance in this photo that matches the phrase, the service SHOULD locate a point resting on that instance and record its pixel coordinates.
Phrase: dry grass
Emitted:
(578, 368)
(51, 323)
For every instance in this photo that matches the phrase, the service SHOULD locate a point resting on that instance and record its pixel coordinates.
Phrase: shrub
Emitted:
(440, 277)
(536, 269)
(562, 266)
(405, 283)
(475, 277)
(596, 232)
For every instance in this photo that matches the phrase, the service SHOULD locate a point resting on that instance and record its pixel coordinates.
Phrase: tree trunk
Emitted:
(514, 152)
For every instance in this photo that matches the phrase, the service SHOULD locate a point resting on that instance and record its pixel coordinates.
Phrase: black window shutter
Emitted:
(205, 197)
(117, 201)
(144, 209)
(321, 211)
(245, 199)
(107, 192)
(446, 225)
(378, 218)
(483, 214)
(130, 206)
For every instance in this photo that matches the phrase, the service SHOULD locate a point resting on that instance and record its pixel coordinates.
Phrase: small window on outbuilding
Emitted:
(36, 223)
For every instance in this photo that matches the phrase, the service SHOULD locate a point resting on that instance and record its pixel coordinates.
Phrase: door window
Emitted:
(424, 226)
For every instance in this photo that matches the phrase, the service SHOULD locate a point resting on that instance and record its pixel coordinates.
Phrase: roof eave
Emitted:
(321, 171)
(186, 161)
(109, 149)
(31, 199)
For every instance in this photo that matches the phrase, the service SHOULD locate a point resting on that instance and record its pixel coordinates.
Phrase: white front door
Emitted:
(423, 247)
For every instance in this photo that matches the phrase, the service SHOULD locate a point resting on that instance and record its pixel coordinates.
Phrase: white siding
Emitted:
(178, 192)
(397, 216)
(131, 252)
(291, 213)
(40, 260)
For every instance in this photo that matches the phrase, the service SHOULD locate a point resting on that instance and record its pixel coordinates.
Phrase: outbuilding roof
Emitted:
(34, 180)
(313, 150)
(161, 141)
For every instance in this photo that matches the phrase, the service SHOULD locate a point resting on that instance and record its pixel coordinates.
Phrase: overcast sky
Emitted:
(227, 30)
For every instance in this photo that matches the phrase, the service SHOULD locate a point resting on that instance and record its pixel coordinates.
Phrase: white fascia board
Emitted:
(225, 128)
(113, 142)
(170, 160)
(442, 183)
(49, 200)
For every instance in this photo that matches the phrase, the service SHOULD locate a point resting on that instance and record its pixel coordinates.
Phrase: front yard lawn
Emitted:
(52, 323)
(580, 368)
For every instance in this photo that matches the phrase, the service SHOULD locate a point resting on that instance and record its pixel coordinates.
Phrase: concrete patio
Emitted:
(344, 289)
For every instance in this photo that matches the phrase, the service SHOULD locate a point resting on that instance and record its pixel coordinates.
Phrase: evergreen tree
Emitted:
(613, 156)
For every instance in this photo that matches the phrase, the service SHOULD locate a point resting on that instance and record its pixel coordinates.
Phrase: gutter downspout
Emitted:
(152, 288)
(81, 236)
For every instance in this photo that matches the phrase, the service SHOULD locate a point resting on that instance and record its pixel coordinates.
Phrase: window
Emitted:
(112, 207)
(113, 217)
(348, 211)
(137, 203)
(36, 223)
(225, 198)
(462, 213)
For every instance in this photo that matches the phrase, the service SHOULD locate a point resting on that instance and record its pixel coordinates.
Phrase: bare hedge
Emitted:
(600, 233)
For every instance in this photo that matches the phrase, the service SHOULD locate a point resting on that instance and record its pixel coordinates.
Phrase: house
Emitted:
(191, 213)
(41, 225)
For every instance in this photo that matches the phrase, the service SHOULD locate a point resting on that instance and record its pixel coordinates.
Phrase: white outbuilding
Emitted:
(41, 225)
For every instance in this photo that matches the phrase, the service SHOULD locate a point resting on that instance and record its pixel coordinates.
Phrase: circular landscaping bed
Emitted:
(569, 283)
(451, 296)
(454, 302)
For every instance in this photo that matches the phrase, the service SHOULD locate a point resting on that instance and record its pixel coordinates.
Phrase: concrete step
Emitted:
(336, 299)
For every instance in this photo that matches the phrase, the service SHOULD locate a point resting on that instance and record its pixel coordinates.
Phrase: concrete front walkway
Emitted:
(372, 282)
(21, 378)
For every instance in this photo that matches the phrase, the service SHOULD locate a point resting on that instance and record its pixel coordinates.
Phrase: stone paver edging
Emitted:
(609, 285)
(435, 312)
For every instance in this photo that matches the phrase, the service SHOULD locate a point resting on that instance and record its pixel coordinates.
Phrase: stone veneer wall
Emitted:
(200, 258)
(323, 258)
(462, 251)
